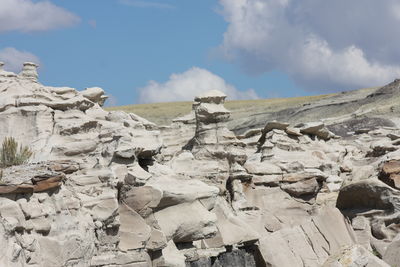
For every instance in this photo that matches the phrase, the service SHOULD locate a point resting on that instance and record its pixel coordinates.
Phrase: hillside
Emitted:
(372, 105)
(164, 113)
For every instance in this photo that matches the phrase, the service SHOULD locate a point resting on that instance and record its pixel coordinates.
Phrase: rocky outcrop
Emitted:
(33, 178)
(309, 243)
(113, 189)
(390, 173)
(354, 256)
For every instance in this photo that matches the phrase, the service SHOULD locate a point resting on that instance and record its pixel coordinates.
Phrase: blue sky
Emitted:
(131, 48)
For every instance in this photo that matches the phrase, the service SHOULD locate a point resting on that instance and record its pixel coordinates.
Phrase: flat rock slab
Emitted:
(30, 178)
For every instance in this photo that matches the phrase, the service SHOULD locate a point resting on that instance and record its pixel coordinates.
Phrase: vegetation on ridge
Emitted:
(10, 155)
(164, 113)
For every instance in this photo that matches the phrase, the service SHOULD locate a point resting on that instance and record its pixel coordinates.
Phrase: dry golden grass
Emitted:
(163, 113)
(160, 113)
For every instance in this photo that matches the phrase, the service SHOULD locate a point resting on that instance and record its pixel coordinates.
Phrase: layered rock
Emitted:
(77, 220)
(113, 189)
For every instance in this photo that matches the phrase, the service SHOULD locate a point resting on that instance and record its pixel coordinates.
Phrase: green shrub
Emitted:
(10, 155)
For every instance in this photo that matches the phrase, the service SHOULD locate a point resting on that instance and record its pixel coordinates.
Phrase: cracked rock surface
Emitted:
(113, 189)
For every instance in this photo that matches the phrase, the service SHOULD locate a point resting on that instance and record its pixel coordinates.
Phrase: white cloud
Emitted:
(14, 58)
(322, 45)
(29, 16)
(146, 4)
(185, 86)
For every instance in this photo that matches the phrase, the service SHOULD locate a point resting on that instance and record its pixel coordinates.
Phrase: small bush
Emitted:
(10, 155)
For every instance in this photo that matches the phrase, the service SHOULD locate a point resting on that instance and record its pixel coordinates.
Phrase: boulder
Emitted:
(390, 173)
(374, 197)
(143, 199)
(186, 222)
(310, 128)
(136, 175)
(317, 129)
(95, 94)
(156, 241)
(368, 194)
(262, 168)
(29, 71)
(180, 190)
(134, 232)
(12, 214)
(275, 125)
(212, 96)
(301, 188)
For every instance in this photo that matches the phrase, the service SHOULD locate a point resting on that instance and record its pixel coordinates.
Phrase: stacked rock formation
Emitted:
(113, 189)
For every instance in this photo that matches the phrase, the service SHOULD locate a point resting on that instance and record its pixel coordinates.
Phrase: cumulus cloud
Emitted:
(322, 45)
(185, 86)
(29, 16)
(14, 58)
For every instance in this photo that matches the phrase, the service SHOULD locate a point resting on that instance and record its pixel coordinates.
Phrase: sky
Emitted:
(143, 51)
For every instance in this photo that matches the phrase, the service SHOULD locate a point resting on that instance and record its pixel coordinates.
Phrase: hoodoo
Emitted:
(100, 188)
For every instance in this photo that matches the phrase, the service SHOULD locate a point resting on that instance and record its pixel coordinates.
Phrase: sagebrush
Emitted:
(12, 154)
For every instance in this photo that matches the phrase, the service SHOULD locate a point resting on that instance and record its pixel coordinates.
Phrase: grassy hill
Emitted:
(377, 106)
(164, 113)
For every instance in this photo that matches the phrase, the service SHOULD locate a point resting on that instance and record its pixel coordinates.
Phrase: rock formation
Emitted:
(113, 189)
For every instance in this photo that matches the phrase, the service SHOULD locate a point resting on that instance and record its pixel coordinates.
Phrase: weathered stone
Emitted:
(156, 241)
(41, 225)
(12, 214)
(143, 199)
(296, 177)
(79, 147)
(356, 256)
(293, 131)
(392, 255)
(170, 257)
(179, 190)
(391, 167)
(309, 244)
(134, 232)
(186, 222)
(105, 209)
(262, 168)
(368, 194)
(212, 96)
(136, 175)
(300, 188)
(390, 173)
(275, 125)
(95, 94)
(231, 229)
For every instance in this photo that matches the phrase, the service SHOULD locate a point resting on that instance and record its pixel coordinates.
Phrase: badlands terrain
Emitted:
(310, 181)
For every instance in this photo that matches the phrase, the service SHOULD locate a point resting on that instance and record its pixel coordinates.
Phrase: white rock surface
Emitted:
(113, 189)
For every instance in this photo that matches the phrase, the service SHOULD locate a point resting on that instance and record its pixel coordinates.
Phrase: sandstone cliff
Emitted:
(113, 189)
